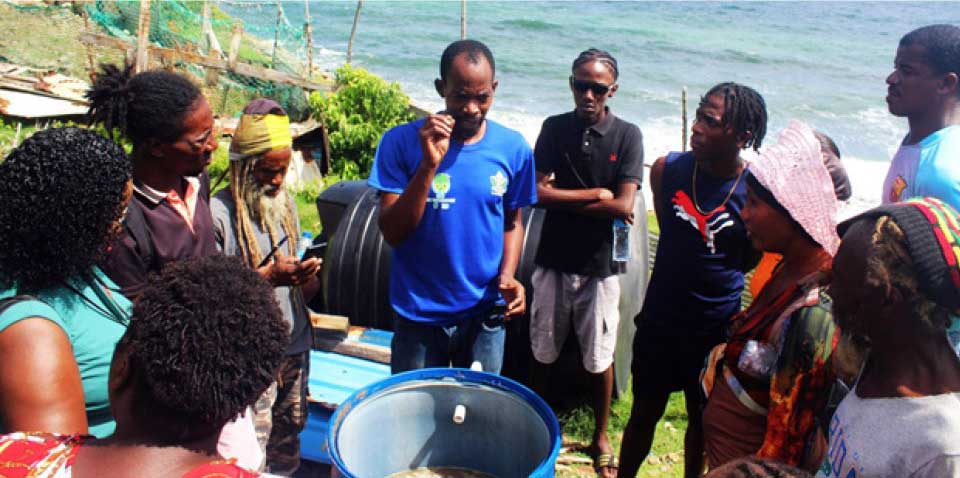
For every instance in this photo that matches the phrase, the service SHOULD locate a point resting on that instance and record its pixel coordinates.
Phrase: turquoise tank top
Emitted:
(93, 325)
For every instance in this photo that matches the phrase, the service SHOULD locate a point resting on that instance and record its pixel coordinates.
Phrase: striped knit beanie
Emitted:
(931, 229)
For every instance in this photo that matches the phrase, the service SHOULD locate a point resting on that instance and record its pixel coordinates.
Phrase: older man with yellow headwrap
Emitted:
(251, 218)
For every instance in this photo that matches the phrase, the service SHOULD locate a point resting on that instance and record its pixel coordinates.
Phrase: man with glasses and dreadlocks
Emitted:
(251, 218)
(589, 167)
(701, 258)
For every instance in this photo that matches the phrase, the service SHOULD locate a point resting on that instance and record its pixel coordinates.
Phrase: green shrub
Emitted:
(363, 107)
(219, 167)
(9, 136)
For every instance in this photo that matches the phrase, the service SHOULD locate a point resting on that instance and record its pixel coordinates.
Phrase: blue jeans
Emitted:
(417, 345)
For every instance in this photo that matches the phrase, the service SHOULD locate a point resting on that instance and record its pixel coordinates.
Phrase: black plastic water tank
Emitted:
(356, 273)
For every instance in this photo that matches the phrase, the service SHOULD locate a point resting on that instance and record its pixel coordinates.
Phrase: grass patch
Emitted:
(307, 210)
(666, 455)
(653, 227)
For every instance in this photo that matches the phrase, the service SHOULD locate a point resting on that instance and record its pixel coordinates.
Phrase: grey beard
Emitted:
(265, 210)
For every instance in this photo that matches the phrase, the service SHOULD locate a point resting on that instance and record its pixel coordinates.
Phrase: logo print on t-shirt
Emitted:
(709, 225)
(896, 189)
(498, 184)
(440, 187)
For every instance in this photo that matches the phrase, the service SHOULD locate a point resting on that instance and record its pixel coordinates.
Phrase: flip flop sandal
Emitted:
(605, 460)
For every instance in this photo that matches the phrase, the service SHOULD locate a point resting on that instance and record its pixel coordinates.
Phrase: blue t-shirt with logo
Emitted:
(446, 270)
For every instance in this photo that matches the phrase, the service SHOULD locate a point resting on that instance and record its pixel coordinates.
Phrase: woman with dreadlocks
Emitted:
(896, 286)
(170, 125)
(770, 381)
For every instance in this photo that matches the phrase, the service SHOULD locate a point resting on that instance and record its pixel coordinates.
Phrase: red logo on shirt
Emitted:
(613, 157)
(709, 225)
(896, 190)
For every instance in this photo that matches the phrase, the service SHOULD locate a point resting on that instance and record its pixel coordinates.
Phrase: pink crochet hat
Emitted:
(793, 171)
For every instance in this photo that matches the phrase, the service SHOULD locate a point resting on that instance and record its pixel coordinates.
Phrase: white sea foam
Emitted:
(663, 135)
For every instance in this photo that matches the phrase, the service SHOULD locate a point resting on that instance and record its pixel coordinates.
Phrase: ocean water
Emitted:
(820, 62)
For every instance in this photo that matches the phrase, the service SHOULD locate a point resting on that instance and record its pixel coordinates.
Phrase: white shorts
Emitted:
(591, 304)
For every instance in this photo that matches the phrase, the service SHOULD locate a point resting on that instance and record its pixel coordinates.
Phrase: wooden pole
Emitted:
(463, 19)
(308, 32)
(235, 38)
(143, 37)
(683, 117)
(92, 73)
(212, 77)
(205, 20)
(353, 31)
(276, 36)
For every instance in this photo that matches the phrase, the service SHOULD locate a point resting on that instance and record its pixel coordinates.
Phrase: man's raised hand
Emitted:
(435, 138)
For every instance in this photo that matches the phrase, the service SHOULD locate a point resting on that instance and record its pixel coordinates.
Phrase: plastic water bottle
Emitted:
(621, 241)
(306, 240)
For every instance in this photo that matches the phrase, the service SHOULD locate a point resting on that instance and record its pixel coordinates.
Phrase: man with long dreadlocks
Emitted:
(251, 218)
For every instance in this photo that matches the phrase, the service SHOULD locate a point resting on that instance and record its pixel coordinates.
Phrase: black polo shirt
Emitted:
(604, 155)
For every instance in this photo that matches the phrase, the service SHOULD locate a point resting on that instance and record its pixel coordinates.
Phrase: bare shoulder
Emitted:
(656, 171)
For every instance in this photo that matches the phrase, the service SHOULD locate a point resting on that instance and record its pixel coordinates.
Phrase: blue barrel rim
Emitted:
(460, 375)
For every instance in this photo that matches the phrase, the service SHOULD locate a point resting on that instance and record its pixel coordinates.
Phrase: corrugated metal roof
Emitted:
(333, 377)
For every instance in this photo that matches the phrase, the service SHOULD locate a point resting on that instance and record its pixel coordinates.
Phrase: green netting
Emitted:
(179, 24)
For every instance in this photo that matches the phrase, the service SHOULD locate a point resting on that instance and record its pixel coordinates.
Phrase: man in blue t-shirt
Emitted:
(451, 189)
(925, 88)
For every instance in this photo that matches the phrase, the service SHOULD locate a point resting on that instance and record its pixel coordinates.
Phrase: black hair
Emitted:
(206, 338)
(743, 109)
(472, 48)
(942, 45)
(151, 104)
(827, 142)
(766, 196)
(602, 56)
(838, 174)
(61, 193)
(753, 467)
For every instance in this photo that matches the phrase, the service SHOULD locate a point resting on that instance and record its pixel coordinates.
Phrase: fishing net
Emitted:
(278, 45)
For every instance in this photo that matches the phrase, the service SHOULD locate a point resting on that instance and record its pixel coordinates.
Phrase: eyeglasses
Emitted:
(582, 86)
(200, 144)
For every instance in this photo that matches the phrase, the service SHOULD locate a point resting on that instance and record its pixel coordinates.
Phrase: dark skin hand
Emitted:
(598, 202)
(401, 213)
(40, 379)
(289, 271)
(510, 288)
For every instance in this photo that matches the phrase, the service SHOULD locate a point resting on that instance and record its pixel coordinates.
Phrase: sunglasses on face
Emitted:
(582, 86)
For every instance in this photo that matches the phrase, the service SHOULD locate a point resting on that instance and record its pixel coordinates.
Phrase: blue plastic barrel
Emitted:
(408, 421)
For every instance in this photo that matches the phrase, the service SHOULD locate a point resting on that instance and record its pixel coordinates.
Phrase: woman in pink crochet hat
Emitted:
(770, 382)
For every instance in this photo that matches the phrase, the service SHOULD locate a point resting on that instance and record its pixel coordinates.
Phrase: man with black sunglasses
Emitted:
(589, 167)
